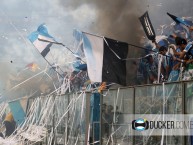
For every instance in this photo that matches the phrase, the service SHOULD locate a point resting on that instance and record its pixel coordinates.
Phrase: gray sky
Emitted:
(117, 19)
(18, 18)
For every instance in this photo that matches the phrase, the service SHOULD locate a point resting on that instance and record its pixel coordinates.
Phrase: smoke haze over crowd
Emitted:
(116, 19)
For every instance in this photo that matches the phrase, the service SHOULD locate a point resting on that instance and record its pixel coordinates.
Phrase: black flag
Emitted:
(106, 59)
(147, 26)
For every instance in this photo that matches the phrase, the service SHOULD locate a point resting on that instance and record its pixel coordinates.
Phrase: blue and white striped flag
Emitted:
(41, 40)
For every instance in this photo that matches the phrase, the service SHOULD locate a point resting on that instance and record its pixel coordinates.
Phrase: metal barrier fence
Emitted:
(116, 106)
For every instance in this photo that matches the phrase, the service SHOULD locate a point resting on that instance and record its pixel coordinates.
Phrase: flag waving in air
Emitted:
(147, 26)
(106, 58)
(178, 20)
(41, 40)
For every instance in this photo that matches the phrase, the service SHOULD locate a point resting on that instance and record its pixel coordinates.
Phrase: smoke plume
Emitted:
(117, 19)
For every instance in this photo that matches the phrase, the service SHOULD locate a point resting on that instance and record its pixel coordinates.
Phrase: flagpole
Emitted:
(93, 34)
(140, 47)
(55, 43)
(54, 69)
(58, 43)
(121, 41)
(133, 46)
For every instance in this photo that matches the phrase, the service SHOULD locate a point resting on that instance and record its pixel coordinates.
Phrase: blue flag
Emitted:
(180, 20)
(41, 39)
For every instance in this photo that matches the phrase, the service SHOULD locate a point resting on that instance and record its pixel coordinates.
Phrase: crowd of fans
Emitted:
(171, 58)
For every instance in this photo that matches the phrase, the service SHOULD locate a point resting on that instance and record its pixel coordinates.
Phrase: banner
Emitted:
(147, 26)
